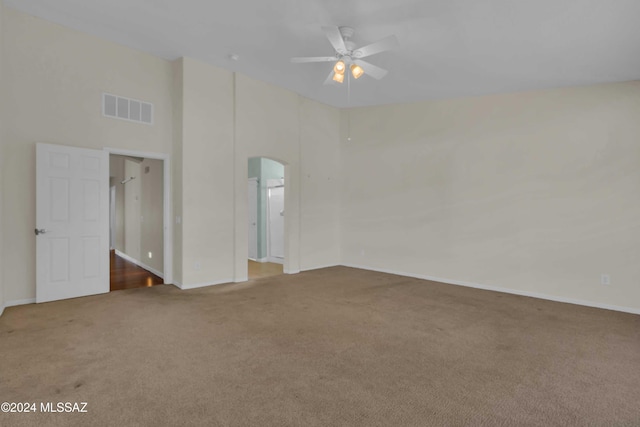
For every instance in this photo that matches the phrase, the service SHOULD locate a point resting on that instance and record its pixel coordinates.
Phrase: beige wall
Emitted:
(151, 206)
(2, 96)
(221, 120)
(267, 125)
(176, 168)
(208, 119)
(532, 192)
(132, 208)
(54, 79)
(304, 136)
(321, 183)
(203, 170)
(535, 192)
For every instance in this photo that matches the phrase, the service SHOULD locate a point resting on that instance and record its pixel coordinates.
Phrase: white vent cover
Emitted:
(123, 108)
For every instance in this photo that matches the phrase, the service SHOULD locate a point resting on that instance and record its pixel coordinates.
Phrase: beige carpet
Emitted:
(332, 347)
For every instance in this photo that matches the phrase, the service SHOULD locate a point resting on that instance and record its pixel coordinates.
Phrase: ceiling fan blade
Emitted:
(304, 59)
(381, 45)
(372, 70)
(335, 38)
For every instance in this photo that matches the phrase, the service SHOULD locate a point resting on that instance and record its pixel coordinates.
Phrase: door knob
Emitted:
(40, 231)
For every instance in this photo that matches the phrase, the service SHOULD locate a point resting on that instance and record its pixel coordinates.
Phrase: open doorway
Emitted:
(136, 222)
(266, 217)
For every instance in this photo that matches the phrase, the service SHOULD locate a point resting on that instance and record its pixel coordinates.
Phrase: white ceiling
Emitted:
(448, 48)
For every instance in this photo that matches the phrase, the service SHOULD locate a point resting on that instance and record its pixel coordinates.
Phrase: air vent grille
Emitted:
(123, 108)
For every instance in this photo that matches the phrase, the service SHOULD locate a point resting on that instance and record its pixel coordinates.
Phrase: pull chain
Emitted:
(348, 105)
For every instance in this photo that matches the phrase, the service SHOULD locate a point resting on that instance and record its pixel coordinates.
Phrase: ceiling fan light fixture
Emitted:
(347, 57)
(356, 71)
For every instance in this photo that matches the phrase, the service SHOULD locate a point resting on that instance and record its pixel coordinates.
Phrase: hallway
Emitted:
(127, 275)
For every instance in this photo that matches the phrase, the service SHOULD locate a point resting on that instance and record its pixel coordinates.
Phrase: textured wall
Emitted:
(54, 78)
(132, 209)
(203, 166)
(152, 210)
(2, 95)
(280, 125)
(535, 192)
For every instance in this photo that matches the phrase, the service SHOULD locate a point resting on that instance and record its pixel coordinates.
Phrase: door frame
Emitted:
(257, 183)
(112, 217)
(271, 184)
(166, 202)
(292, 204)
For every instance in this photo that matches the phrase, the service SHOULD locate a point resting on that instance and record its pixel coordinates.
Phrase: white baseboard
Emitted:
(19, 302)
(319, 267)
(275, 260)
(295, 271)
(259, 259)
(140, 264)
(505, 290)
(202, 285)
(1, 309)
(242, 279)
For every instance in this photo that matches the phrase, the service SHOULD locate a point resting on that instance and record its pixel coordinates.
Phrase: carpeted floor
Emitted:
(331, 347)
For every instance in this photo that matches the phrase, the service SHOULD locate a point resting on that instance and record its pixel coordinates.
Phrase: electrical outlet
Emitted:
(605, 279)
(197, 266)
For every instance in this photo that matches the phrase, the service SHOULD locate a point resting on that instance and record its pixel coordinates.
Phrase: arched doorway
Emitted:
(265, 217)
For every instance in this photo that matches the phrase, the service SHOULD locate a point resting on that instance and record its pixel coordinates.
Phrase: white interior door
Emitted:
(252, 209)
(72, 222)
(276, 224)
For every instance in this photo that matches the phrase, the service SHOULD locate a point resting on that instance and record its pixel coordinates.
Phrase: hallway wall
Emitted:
(144, 223)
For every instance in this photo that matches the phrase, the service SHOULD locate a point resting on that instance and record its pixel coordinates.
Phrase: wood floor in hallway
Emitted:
(127, 275)
(258, 270)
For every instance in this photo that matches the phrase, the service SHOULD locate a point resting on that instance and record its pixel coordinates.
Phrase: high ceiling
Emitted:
(448, 48)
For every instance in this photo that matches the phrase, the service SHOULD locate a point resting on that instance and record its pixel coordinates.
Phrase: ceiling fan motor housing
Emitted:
(347, 32)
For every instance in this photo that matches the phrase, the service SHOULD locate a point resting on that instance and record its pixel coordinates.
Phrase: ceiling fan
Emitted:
(347, 56)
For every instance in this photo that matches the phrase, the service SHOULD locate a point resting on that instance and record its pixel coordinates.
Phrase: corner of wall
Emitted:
(176, 166)
(2, 97)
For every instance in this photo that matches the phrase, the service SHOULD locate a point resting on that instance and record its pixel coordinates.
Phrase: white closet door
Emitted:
(252, 209)
(72, 222)
(276, 224)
